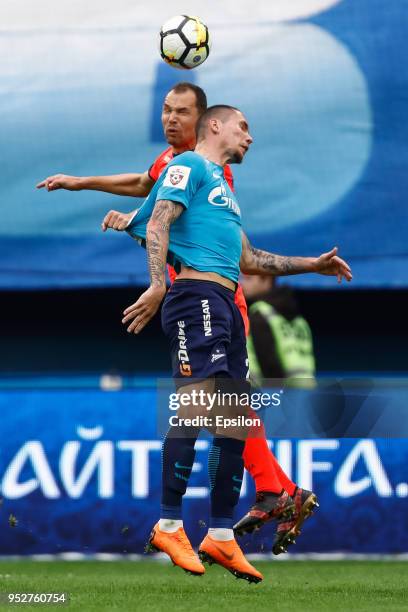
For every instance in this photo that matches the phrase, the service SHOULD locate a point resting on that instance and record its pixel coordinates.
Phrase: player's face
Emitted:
(179, 119)
(237, 137)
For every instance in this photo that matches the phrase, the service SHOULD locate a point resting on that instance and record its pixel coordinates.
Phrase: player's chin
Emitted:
(237, 157)
(173, 138)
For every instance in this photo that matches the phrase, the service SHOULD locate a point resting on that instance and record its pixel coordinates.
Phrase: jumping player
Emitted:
(191, 194)
(182, 107)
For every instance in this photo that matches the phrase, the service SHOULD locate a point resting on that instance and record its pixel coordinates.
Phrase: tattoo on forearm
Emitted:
(278, 264)
(155, 259)
(157, 239)
(262, 262)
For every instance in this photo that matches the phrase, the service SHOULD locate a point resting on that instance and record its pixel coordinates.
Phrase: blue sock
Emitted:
(177, 461)
(226, 469)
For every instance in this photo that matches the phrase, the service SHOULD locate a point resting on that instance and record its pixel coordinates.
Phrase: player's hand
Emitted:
(60, 181)
(144, 309)
(332, 265)
(116, 220)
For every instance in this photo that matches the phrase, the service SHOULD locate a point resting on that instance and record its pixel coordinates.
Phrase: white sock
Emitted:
(170, 525)
(223, 535)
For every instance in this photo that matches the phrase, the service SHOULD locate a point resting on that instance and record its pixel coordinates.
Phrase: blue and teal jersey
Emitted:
(207, 235)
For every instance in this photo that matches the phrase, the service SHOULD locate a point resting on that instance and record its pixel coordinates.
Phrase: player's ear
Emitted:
(215, 125)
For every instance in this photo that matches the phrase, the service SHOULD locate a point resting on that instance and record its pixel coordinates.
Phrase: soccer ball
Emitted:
(184, 42)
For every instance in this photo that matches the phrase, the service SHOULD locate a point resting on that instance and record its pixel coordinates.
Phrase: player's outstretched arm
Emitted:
(164, 214)
(256, 261)
(137, 185)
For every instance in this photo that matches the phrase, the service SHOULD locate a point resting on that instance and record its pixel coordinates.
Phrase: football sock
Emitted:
(177, 461)
(222, 535)
(225, 468)
(285, 481)
(260, 462)
(170, 525)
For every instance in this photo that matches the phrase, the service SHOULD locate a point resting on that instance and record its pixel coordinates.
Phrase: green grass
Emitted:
(151, 586)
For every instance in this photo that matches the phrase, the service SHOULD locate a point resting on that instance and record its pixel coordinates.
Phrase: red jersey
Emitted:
(155, 171)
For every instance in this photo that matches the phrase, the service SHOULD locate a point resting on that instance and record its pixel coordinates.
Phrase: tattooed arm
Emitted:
(164, 214)
(256, 261)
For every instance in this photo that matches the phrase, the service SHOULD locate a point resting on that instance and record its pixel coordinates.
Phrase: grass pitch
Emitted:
(153, 586)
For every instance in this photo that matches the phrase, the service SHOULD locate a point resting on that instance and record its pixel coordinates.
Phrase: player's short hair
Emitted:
(219, 111)
(201, 98)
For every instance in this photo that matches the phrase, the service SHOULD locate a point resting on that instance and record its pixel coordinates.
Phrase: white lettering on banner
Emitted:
(306, 465)
(140, 463)
(101, 462)
(344, 486)
(100, 459)
(90, 433)
(32, 451)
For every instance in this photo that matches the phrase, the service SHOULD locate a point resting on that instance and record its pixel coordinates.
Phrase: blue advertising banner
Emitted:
(80, 471)
(322, 83)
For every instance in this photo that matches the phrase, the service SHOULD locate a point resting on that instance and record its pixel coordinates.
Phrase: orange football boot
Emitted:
(178, 547)
(229, 555)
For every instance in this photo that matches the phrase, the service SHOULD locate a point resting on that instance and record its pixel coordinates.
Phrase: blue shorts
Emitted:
(206, 331)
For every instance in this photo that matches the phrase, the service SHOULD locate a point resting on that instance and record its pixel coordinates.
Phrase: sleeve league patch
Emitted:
(177, 177)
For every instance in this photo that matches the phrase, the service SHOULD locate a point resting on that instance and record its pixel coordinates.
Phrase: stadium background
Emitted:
(323, 84)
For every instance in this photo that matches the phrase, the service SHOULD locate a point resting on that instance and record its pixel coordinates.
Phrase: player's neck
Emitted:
(212, 154)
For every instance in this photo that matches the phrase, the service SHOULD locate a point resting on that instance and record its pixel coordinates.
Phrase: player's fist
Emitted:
(140, 313)
(60, 181)
(117, 220)
(332, 265)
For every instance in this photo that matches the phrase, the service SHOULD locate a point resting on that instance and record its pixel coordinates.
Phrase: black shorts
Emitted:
(206, 331)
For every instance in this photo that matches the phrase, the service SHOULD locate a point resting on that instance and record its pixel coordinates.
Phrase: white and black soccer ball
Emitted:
(184, 42)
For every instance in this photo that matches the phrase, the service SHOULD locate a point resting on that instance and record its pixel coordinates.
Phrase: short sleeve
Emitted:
(160, 163)
(153, 172)
(181, 182)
